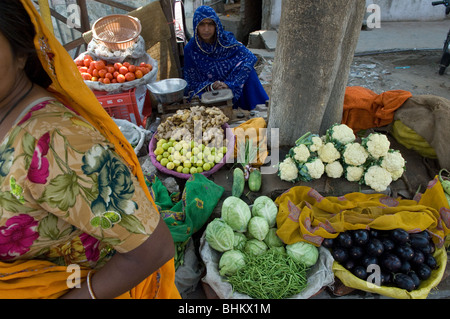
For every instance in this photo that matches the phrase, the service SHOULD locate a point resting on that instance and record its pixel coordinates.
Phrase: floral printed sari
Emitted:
(71, 188)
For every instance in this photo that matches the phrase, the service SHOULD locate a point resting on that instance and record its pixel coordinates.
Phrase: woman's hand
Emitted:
(218, 85)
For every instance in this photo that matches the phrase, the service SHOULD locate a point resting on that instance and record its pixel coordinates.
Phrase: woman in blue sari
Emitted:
(214, 60)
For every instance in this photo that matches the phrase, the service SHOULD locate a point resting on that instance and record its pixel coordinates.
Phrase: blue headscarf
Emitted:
(225, 60)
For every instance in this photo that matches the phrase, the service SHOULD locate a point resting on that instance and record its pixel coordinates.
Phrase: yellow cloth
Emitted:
(305, 215)
(253, 129)
(70, 89)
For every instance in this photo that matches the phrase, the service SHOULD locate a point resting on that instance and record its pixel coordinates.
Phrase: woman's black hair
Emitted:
(16, 26)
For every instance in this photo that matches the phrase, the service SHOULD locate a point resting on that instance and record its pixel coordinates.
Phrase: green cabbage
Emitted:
(236, 213)
(239, 241)
(264, 206)
(255, 247)
(258, 227)
(303, 252)
(230, 262)
(272, 239)
(281, 249)
(219, 235)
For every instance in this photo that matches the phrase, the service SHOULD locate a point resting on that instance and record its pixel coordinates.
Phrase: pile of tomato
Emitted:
(101, 71)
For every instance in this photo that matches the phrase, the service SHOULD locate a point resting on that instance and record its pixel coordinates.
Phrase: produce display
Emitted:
(404, 259)
(338, 155)
(192, 140)
(253, 258)
(104, 72)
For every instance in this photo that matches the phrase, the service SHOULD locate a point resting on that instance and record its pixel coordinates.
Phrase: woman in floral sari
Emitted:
(76, 218)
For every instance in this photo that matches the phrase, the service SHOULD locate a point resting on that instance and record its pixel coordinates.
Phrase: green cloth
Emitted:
(186, 216)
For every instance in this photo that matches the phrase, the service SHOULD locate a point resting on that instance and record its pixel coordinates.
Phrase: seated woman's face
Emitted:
(207, 30)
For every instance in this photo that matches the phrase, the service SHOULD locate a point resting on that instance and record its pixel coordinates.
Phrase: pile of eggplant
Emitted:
(404, 259)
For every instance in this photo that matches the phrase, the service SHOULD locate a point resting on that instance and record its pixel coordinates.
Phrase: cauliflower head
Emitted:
(355, 154)
(328, 153)
(334, 169)
(377, 178)
(354, 173)
(316, 144)
(301, 153)
(393, 161)
(341, 134)
(315, 168)
(377, 145)
(287, 170)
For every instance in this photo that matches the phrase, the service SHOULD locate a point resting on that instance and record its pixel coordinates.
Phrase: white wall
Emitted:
(391, 10)
(409, 10)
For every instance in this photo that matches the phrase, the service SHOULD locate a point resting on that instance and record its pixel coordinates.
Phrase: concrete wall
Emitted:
(391, 10)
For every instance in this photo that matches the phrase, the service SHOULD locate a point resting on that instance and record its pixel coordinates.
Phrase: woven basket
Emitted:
(117, 31)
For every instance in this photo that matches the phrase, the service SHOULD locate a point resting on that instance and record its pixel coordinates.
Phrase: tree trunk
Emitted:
(315, 48)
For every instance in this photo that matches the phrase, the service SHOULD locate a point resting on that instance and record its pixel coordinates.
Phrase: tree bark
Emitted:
(315, 48)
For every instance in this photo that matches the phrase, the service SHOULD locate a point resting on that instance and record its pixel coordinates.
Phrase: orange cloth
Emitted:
(365, 109)
(37, 280)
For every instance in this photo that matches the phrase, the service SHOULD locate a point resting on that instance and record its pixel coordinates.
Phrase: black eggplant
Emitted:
(430, 261)
(406, 267)
(404, 281)
(340, 255)
(423, 271)
(344, 240)
(418, 241)
(375, 247)
(391, 262)
(360, 272)
(360, 237)
(328, 242)
(405, 252)
(385, 277)
(369, 260)
(399, 236)
(374, 233)
(349, 264)
(415, 278)
(428, 249)
(356, 252)
(418, 258)
(388, 244)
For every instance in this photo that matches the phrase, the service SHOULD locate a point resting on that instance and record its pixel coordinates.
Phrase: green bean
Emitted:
(271, 275)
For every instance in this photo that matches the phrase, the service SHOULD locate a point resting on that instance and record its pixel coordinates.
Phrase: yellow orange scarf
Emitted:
(42, 279)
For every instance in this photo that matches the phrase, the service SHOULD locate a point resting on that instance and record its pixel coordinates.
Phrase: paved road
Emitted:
(415, 35)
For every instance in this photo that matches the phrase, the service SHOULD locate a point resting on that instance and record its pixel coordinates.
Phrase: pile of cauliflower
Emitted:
(337, 154)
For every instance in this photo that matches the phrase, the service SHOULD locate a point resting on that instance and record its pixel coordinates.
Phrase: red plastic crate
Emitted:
(124, 106)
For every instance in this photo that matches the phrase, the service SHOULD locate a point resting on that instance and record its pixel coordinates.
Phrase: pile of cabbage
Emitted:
(338, 154)
(244, 232)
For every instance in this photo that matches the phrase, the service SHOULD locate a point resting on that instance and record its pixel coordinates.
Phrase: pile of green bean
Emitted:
(271, 275)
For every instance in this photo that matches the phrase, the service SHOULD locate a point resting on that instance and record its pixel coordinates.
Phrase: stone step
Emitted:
(263, 39)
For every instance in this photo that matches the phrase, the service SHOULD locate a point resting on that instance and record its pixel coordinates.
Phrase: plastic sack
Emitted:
(135, 51)
(350, 280)
(121, 87)
(133, 133)
(319, 276)
(411, 140)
